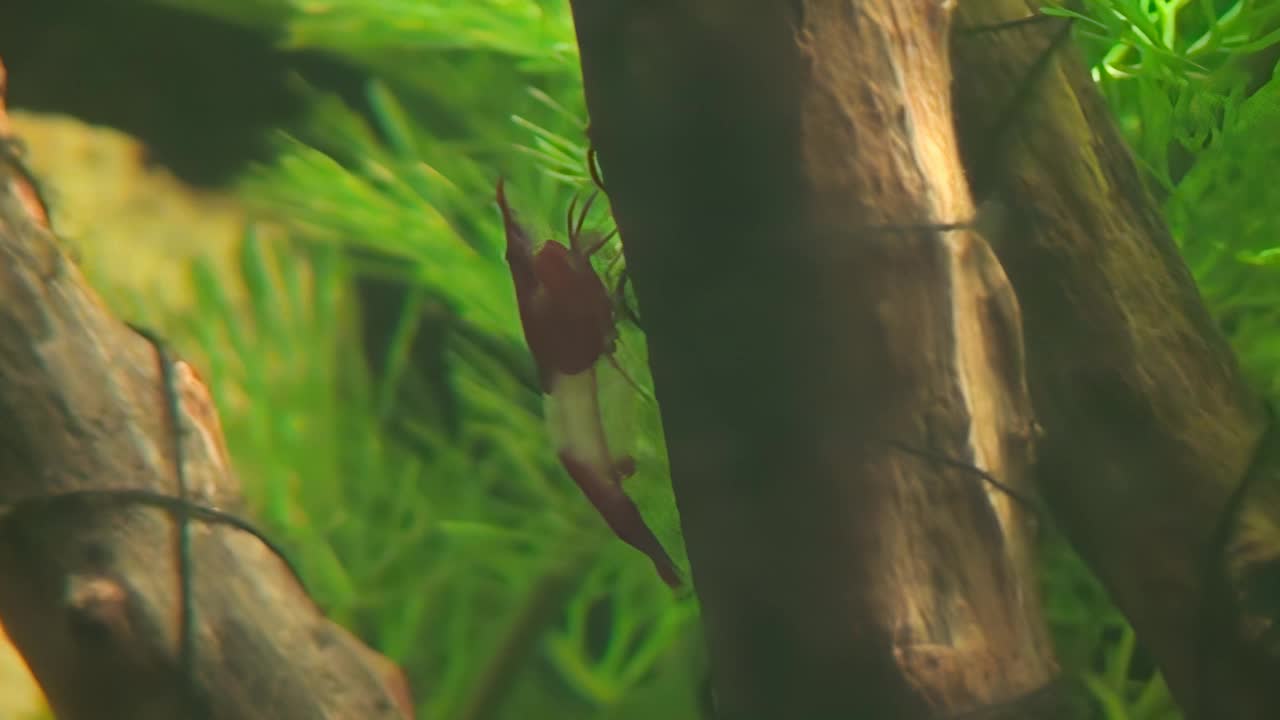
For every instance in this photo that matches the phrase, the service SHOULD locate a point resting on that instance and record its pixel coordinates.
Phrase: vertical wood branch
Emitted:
(771, 166)
(1151, 429)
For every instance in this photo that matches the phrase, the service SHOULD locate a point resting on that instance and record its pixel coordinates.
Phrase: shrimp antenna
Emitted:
(575, 229)
(568, 217)
(603, 241)
(630, 380)
(582, 216)
(593, 167)
(620, 299)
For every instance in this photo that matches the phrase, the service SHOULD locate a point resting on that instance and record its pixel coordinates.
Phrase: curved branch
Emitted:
(89, 591)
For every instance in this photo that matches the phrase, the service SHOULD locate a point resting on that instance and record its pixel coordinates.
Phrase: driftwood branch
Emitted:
(1151, 430)
(89, 589)
(775, 169)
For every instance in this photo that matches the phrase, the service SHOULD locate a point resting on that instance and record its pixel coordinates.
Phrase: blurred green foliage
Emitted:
(460, 548)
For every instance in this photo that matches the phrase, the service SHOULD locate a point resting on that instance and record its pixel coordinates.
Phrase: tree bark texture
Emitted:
(774, 169)
(1151, 431)
(89, 588)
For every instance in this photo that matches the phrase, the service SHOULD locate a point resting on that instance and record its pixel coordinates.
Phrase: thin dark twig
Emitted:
(922, 227)
(1005, 25)
(184, 511)
(186, 647)
(1025, 501)
(148, 498)
(1011, 113)
(1013, 110)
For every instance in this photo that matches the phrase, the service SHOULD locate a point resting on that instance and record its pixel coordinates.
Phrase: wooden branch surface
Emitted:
(755, 153)
(1150, 428)
(89, 591)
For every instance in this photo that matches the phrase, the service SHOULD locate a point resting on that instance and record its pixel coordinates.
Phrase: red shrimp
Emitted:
(569, 325)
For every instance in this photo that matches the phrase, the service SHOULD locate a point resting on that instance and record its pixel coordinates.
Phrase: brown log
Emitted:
(772, 166)
(89, 588)
(1150, 427)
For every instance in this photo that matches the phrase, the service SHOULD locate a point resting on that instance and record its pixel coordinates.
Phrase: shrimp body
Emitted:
(569, 325)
